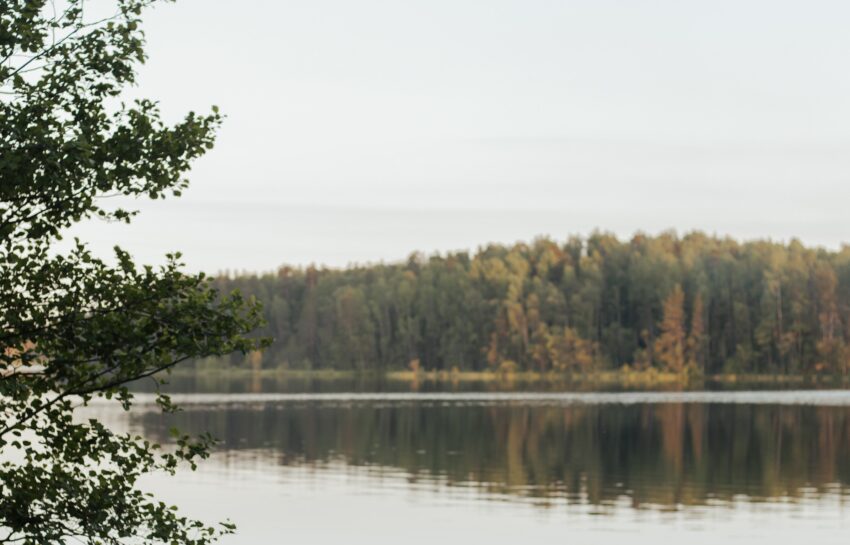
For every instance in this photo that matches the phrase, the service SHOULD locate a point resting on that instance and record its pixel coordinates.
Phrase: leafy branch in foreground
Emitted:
(74, 328)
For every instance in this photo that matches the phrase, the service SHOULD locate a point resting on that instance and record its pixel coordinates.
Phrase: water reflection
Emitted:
(650, 453)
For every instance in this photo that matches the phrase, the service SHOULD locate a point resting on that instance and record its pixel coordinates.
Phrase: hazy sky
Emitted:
(363, 130)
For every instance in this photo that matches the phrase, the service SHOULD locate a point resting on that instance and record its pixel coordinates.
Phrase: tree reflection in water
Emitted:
(665, 455)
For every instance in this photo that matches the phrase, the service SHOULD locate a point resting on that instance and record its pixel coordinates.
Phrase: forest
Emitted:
(693, 303)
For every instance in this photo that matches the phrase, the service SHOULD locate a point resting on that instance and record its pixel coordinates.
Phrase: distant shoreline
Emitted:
(651, 377)
(696, 304)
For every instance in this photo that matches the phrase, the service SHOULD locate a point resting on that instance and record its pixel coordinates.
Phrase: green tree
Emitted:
(74, 327)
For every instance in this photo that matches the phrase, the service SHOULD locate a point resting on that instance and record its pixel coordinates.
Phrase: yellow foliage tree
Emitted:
(695, 349)
(670, 345)
(571, 352)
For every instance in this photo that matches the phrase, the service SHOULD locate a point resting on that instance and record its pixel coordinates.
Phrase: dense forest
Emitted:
(695, 303)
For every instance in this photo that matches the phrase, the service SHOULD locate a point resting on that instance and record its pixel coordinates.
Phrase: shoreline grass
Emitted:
(620, 377)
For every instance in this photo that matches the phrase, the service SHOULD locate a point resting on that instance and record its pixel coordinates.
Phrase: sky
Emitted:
(359, 132)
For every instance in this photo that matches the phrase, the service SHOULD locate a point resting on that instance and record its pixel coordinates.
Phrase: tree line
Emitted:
(692, 303)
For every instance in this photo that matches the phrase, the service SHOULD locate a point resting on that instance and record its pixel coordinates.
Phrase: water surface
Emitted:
(514, 467)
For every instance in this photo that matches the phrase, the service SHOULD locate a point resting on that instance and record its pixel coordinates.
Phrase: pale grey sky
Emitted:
(360, 131)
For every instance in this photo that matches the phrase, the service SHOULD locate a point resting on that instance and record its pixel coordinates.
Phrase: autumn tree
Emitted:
(670, 344)
(570, 352)
(695, 346)
(831, 351)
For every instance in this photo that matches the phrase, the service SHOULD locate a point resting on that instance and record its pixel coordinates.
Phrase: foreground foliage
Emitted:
(74, 328)
(695, 303)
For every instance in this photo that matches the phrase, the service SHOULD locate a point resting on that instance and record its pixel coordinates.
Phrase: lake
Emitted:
(380, 465)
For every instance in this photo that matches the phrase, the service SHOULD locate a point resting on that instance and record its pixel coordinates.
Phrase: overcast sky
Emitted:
(360, 131)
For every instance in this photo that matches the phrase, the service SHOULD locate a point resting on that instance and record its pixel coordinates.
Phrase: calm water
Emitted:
(514, 467)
